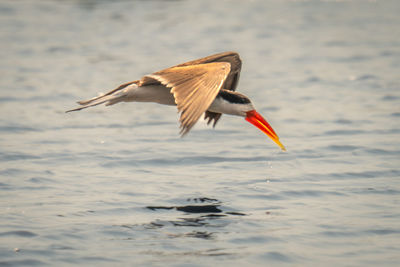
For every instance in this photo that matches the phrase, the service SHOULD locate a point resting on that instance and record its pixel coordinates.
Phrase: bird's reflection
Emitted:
(212, 206)
(190, 208)
(200, 212)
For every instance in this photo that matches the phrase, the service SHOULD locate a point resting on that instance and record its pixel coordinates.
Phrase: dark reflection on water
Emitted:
(196, 234)
(207, 218)
(191, 208)
(211, 208)
(213, 212)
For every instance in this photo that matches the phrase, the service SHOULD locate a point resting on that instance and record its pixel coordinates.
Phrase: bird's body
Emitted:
(206, 85)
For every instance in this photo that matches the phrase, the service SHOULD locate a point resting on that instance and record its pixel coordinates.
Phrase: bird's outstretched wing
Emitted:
(194, 87)
(230, 57)
(231, 81)
(197, 75)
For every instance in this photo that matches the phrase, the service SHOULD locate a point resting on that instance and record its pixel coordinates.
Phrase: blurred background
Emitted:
(118, 186)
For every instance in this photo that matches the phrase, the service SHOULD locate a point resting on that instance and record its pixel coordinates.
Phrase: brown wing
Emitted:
(231, 81)
(194, 87)
(230, 57)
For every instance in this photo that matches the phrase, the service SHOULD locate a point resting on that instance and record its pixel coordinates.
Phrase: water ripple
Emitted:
(189, 160)
(16, 156)
(27, 262)
(366, 174)
(18, 129)
(277, 257)
(20, 233)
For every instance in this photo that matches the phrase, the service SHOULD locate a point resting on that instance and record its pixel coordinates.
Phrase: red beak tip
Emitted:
(257, 120)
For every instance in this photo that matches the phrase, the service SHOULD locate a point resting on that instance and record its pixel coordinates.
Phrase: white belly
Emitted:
(150, 93)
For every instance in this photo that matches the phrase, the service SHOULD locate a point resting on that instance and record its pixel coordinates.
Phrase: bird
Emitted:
(202, 86)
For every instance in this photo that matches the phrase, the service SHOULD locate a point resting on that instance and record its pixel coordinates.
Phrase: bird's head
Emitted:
(235, 103)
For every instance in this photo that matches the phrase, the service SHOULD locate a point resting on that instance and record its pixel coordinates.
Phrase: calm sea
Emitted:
(117, 186)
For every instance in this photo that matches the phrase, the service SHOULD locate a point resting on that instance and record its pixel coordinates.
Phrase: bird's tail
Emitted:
(117, 95)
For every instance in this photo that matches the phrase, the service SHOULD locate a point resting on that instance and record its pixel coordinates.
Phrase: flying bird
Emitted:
(206, 85)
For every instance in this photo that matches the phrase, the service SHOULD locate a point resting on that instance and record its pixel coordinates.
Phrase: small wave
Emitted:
(344, 132)
(342, 148)
(310, 193)
(17, 129)
(276, 256)
(21, 233)
(28, 262)
(395, 114)
(16, 156)
(194, 160)
(365, 174)
(383, 231)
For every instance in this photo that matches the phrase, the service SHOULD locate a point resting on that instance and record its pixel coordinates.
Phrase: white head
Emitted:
(234, 103)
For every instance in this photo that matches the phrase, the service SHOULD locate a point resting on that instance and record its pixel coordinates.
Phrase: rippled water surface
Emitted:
(117, 186)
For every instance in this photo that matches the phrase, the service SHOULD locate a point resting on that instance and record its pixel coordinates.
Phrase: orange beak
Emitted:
(257, 120)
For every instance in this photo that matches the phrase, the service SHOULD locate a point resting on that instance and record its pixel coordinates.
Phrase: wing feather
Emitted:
(231, 81)
(194, 88)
